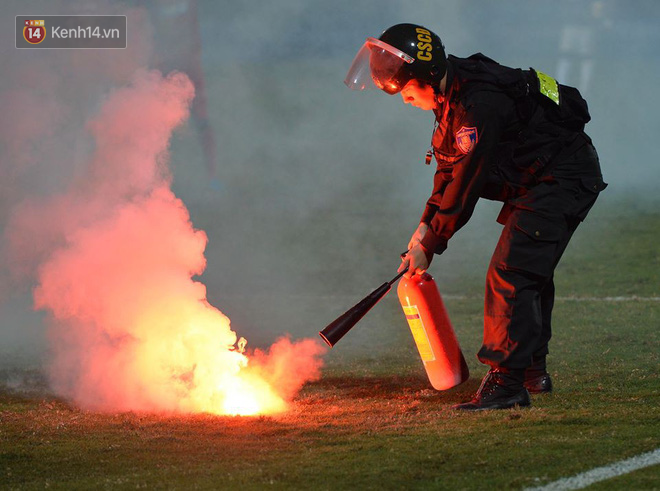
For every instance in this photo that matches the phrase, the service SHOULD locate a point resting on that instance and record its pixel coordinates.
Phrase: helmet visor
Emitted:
(378, 66)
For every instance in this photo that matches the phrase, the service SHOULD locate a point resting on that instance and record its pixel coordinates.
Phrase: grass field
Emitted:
(373, 422)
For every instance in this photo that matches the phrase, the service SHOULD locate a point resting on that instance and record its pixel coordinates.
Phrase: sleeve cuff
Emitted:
(433, 244)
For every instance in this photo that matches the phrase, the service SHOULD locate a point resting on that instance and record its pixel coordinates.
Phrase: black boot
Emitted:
(501, 388)
(537, 378)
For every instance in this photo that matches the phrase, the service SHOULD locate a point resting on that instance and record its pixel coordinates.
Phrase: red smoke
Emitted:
(130, 328)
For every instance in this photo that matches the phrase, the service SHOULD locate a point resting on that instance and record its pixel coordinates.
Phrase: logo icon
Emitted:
(466, 139)
(34, 31)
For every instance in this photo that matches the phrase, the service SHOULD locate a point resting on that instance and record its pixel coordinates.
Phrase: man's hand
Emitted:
(418, 235)
(415, 261)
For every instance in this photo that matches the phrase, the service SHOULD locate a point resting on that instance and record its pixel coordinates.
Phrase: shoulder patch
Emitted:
(466, 139)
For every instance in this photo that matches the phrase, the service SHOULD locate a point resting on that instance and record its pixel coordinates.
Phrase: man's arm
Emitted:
(439, 184)
(460, 196)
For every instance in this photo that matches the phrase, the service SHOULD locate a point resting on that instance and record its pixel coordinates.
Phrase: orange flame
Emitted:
(131, 329)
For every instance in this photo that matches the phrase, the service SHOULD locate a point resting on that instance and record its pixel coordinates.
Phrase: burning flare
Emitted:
(131, 329)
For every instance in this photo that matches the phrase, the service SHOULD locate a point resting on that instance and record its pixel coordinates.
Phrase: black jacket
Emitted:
(497, 136)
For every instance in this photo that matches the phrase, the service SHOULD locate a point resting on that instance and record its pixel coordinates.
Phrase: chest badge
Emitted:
(466, 139)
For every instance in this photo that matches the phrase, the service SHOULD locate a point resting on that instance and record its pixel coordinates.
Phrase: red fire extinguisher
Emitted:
(432, 331)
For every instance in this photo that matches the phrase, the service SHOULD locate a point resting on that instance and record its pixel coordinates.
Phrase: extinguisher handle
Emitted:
(393, 280)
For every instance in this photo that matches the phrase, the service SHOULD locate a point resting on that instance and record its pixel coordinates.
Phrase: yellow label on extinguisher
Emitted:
(419, 333)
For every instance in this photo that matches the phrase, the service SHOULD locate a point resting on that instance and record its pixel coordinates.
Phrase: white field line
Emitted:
(620, 468)
(632, 298)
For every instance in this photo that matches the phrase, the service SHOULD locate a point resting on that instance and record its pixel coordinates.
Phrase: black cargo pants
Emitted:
(520, 290)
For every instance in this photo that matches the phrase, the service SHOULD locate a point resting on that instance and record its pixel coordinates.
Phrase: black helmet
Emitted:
(403, 52)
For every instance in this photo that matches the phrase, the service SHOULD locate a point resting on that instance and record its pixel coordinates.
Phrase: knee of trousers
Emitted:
(507, 287)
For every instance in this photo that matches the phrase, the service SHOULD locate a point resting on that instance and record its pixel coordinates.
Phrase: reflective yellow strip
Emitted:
(548, 87)
(418, 332)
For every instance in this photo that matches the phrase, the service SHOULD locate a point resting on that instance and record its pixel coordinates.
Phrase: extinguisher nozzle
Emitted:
(345, 322)
(327, 341)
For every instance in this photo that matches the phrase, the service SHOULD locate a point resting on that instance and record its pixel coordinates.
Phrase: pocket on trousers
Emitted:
(534, 243)
(593, 184)
(590, 187)
(539, 228)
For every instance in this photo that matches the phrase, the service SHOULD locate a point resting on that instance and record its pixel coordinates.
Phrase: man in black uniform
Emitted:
(503, 134)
